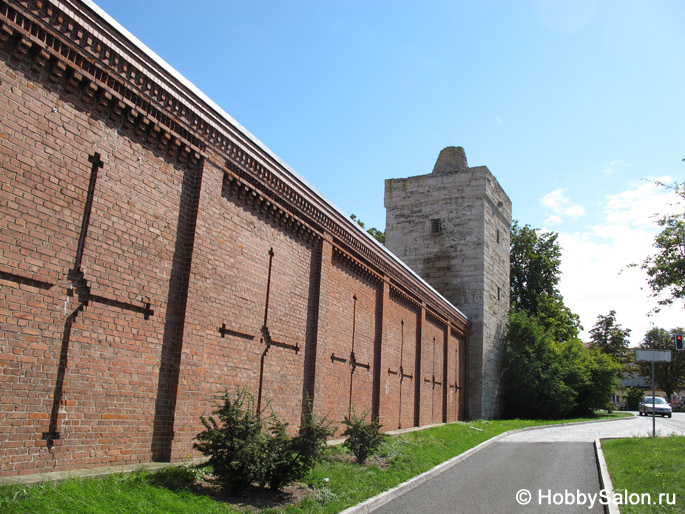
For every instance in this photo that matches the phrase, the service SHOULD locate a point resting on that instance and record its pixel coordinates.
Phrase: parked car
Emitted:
(660, 407)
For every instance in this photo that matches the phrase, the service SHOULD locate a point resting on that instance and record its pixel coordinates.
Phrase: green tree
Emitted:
(547, 371)
(535, 261)
(610, 337)
(535, 272)
(666, 269)
(591, 373)
(668, 376)
(544, 378)
(633, 397)
(558, 318)
(378, 235)
(533, 378)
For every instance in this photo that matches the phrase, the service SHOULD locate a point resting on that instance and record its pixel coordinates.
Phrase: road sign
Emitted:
(653, 355)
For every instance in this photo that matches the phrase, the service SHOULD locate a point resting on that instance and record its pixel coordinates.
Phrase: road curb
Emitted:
(381, 499)
(604, 479)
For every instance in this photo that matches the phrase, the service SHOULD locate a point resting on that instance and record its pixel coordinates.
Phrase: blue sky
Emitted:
(570, 105)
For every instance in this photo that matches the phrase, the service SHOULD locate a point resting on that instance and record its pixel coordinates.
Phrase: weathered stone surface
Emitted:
(467, 261)
(451, 160)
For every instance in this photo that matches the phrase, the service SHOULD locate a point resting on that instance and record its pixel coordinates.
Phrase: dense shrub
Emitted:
(533, 383)
(363, 438)
(310, 442)
(545, 378)
(245, 448)
(235, 442)
(633, 397)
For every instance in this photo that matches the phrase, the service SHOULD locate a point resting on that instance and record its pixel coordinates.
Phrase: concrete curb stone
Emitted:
(605, 479)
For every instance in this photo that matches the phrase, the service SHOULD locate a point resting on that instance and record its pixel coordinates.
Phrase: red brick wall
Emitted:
(91, 369)
(398, 372)
(462, 378)
(452, 377)
(349, 299)
(432, 375)
(228, 287)
(138, 254)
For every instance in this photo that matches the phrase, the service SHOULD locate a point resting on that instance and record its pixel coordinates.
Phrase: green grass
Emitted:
(171, 490)
(139, 492)
(654, 466)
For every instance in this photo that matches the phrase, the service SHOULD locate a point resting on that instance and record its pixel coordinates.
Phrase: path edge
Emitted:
(605, 479)
(381, 499)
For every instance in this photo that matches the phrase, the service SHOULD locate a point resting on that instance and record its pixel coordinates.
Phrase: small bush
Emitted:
(289, 459)
(244, 448)
(234, 444)
(363, 438)
(278, 461)
(310, 442)
(633, 397)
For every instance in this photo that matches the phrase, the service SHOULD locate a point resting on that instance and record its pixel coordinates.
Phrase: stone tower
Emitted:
(452, 228)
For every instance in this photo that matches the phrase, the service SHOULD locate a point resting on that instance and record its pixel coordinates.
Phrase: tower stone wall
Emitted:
(452, 228)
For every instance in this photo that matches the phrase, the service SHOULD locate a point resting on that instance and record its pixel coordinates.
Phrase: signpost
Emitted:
(653, 356)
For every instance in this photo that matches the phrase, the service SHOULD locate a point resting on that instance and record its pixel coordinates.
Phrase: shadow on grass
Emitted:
(198, 480)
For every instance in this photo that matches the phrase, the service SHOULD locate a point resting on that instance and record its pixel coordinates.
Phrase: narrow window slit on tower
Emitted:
(436, 226)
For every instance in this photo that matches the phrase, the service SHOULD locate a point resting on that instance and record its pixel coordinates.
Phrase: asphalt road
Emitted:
(638, 426)
(489, 481)
(555, 466)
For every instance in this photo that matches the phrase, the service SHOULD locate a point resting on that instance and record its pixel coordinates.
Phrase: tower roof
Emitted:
(452, 159)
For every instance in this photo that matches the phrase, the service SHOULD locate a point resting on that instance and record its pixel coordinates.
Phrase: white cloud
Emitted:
(561, 205)
(575, 211)
(554, 220)
(611, 167)
(596, 277)
(554, 200)
(639, 205)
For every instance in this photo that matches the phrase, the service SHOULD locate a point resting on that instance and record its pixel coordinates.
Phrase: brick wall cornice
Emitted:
(90, 56)
(397, 294)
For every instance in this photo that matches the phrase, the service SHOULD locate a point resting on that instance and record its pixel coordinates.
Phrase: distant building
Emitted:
(644, 383)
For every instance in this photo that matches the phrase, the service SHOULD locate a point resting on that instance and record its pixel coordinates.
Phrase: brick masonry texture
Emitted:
(153, 253)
